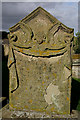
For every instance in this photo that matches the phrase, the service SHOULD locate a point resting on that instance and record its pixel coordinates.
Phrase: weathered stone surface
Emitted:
(6, 49)
(6, 113)
(40, 64)
(76, 66)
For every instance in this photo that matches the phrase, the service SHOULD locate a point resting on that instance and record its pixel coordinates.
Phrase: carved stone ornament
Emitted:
(40, 64)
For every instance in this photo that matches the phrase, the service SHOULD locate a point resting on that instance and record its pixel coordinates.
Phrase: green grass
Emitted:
(77, 79)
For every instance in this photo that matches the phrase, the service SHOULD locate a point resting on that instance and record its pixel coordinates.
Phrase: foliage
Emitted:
(77, 79)
(76, 44)
(78, 35)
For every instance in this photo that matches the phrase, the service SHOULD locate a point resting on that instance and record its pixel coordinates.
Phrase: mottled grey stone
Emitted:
(40, 64)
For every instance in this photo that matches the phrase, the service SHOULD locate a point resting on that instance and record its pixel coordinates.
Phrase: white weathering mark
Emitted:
(51, 95)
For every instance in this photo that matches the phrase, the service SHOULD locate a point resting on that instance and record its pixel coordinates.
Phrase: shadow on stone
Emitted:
(5, 77)
(75, 94)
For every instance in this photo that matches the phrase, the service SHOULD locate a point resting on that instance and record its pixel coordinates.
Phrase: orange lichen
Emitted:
(27, 68)
(76, 56)
(30, 101)
(10, 61)
(44, 43)
(11, 105)
(16, 98)
(64, 113)
(44, 67)
(21, 50)
(42, 82)
(57, 51)
(54, 74)
(58, 62)
(52, 109)
(47, 77)
(48, 52)
(26, 106)
(67, 98)
(40, 110)
(54, 45)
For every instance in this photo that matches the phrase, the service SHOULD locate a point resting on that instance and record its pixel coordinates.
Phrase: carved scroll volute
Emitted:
(12, 62)
(27, 31)
(39, 37)
(59, 35)
(28, 34)
(12, 37)
(51, 32)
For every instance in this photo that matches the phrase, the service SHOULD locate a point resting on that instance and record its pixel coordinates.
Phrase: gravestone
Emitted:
(40, 64)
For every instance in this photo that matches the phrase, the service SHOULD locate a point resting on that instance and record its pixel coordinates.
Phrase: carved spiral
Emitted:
(27, 30)
(12, 37)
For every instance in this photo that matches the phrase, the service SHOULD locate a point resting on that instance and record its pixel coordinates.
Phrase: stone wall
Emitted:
(76, 66)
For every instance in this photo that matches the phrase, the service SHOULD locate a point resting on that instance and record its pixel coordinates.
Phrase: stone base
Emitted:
(6, 113)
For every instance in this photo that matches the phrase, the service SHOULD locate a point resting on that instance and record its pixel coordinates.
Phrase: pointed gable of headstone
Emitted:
(43, 31)
(40, 64)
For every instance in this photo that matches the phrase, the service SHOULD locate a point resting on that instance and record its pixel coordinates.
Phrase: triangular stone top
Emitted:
(37, 12)
(40, 34)
(34, 14)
